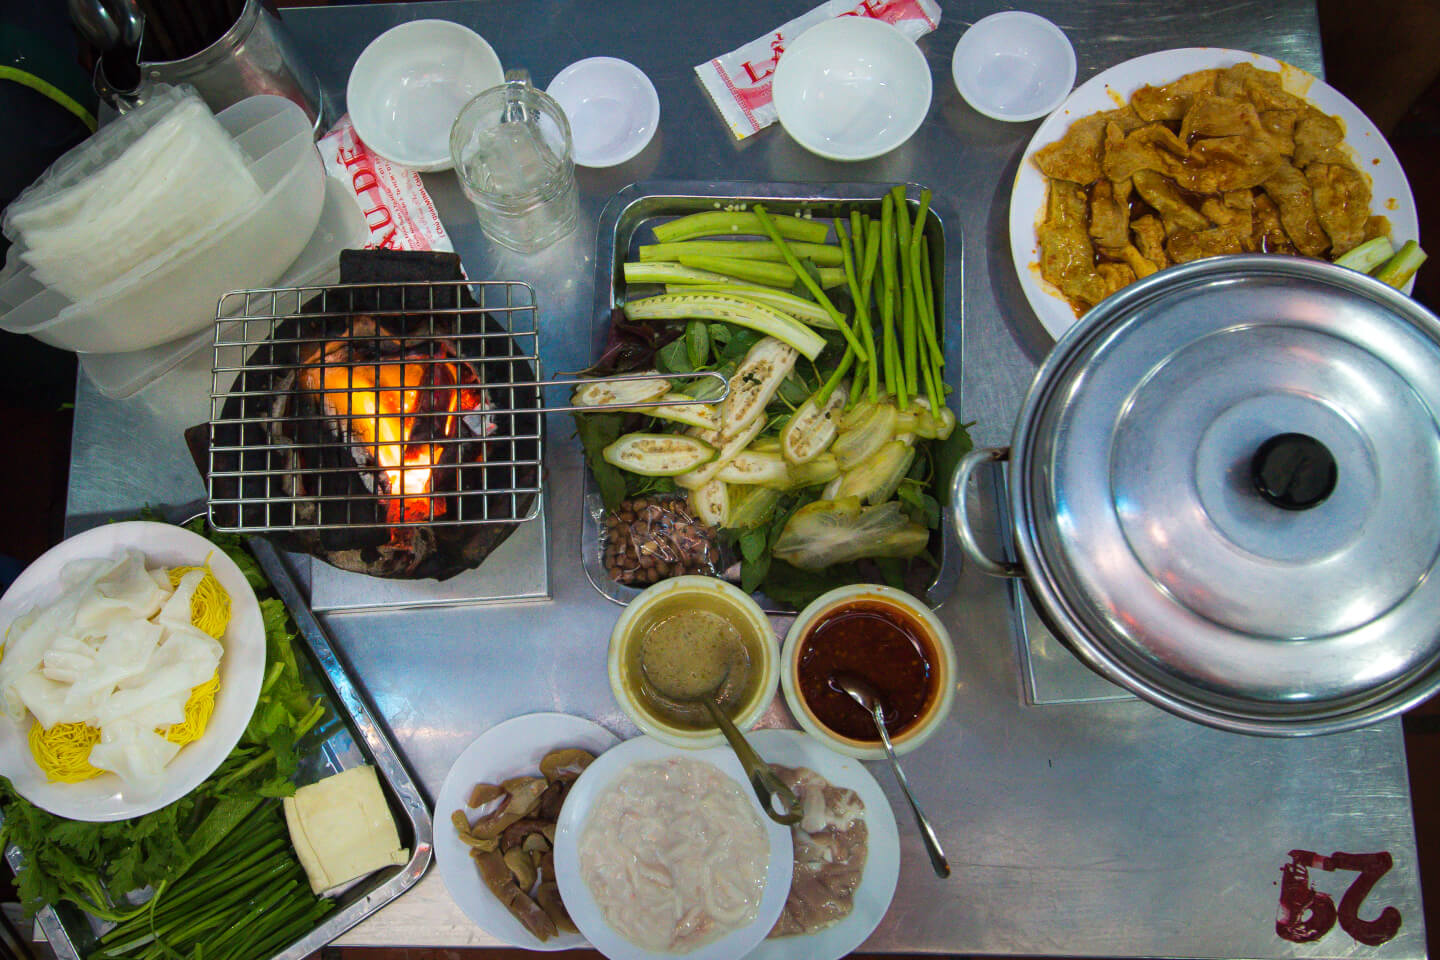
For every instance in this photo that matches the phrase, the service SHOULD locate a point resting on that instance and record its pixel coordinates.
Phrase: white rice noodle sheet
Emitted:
(128, 590)
(176, 611)
(136, 753)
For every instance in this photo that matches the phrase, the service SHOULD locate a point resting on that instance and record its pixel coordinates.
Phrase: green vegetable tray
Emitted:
(628, 221)
(348, 736)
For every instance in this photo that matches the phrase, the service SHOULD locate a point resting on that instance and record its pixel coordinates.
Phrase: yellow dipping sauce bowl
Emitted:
(677, 600)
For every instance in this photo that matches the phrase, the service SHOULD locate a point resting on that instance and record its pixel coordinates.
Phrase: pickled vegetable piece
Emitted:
(828, 532)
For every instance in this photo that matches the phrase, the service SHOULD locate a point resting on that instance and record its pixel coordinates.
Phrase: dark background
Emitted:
(1386, 58)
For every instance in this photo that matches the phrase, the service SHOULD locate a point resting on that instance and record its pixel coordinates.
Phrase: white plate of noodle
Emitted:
(106, 796)
(643, 754)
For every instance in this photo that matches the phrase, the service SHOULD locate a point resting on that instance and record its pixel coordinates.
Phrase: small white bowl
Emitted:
(943, 665)
(636, 619)
(612, 107)
(408, 86)
(851, 88)
(1014, 66)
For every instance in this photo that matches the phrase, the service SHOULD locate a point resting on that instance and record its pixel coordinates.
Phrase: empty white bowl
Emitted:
(612, 108)
(851, 88)
(1014, 66)
(408, 86)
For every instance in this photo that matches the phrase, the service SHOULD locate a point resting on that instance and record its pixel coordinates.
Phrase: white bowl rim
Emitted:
(778, 81)
(789, 654)
(376, 48)
(652, 594)
(649, 104)
(991, 21)
(106, 797)
(576, 893)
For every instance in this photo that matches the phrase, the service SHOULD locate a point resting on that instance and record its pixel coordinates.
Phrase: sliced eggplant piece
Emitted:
(812, 427)
(753, 386)
(658, 454)
(697, 478)
(620, 392)
(755, 467)
(827, 532)
(703, 415)
(711, 503)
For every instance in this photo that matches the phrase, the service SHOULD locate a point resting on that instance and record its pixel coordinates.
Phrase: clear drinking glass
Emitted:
(513, 154)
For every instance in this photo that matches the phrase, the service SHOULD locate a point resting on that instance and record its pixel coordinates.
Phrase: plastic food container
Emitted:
(176, 296)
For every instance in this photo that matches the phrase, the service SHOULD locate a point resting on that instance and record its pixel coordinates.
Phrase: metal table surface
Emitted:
(1102, 828)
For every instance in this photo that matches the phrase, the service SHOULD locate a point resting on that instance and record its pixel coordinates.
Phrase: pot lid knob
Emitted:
(1293, 471)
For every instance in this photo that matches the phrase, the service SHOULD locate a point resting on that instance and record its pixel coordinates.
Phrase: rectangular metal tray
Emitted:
(628, 221)
(348, 737)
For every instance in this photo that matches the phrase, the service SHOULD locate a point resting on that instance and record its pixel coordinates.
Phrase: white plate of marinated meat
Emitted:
(847, 851)
(539, 745)
(1189, 153)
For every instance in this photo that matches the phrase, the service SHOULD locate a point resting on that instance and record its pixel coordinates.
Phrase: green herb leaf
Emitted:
(697, 343)
(597, 431)
(673, 358)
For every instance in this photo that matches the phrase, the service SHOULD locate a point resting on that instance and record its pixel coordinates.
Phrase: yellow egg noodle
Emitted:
(63, 751)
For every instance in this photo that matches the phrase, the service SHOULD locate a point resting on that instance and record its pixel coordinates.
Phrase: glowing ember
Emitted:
(394, 412)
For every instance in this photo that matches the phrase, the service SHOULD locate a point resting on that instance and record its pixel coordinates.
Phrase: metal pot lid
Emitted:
(1229, 488)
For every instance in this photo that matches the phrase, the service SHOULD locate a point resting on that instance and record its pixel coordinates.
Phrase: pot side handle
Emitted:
(959, 504)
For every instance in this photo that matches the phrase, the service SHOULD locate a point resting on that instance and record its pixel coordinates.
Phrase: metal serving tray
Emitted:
(628, 221)
(350, 736)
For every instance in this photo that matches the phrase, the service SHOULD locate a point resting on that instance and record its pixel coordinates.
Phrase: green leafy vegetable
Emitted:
(597, 431)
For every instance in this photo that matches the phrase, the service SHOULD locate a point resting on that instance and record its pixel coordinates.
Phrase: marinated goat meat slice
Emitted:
(1184, 246)
(1163, 195)
(830, 844)
(1067, 258)
(1342, 203)
(1212, 116)
(1266, 232)
(1149, 148)
(1172, 100)
(1318, 138)
(1149, 236)
(1218, 164)
(1076, 156)
(1261, 87)
(1291, 193)
(1110, 213)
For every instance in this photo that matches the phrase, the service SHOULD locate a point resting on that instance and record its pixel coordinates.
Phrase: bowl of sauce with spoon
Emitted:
(893, 643)
(685, 640)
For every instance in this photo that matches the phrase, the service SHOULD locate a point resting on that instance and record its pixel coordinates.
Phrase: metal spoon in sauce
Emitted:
(869, 699)
(766, 782)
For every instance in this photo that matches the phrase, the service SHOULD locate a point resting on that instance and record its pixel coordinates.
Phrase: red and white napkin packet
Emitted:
(738, 82)
(397, 207)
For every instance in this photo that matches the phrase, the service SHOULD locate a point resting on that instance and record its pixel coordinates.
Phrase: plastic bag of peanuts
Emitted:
(651, 538)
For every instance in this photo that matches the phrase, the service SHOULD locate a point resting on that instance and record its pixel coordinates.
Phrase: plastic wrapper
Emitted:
(652, 538)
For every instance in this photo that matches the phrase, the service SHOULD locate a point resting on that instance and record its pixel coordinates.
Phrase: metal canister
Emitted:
(255, 56)
(1225, 481)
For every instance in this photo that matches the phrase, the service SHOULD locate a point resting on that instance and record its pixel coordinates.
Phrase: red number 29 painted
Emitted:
(1307, 914)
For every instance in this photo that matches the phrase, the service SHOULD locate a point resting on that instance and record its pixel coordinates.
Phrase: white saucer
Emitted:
(612, 107)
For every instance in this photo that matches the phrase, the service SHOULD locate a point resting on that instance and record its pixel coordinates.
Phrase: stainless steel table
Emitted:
(1097, 828)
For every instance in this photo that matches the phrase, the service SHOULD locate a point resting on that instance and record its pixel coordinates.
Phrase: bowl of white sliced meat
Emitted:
(132, 659)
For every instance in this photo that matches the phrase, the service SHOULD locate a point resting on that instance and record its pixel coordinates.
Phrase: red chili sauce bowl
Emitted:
(887, 638)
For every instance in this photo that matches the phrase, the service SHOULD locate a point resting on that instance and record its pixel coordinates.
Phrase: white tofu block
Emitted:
(342, 829)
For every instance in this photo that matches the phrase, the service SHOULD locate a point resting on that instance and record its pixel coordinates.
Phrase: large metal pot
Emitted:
(1225, 484)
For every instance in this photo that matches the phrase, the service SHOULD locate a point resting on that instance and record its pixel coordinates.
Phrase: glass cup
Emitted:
(515, 160)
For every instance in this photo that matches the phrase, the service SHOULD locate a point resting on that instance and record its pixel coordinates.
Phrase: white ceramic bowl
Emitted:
(851, 88)
(943, 663)
(106, 797)
(612, 107)
(408, 86)
(748, 616)
(586, 913)
(1014, 66)
(510, 749)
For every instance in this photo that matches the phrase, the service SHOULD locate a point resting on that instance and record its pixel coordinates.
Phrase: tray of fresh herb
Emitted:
(214, 874)
(833, 312)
